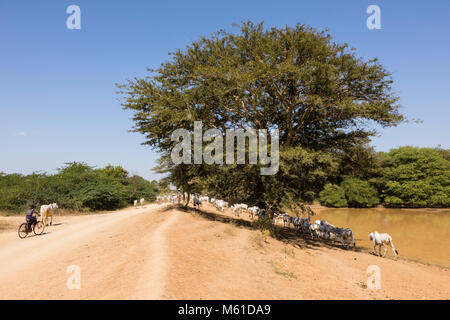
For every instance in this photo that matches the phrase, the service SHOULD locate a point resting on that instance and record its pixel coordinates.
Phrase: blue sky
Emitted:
(58, 100)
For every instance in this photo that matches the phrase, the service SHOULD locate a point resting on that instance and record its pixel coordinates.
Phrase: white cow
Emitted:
(221, 205)
(135, 203)
(345, 235)
(317, 230)
(238, 208)
(47, 211)
(142, 201)
(277, 216)
(252, 211)
(299, 223)
(382, 239)
(283, 217)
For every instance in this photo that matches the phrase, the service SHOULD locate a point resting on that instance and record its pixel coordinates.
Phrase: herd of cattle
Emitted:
(141, 202)
(319, 229)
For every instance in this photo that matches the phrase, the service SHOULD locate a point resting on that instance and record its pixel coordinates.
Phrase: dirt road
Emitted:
(120, 255)
(153, 253)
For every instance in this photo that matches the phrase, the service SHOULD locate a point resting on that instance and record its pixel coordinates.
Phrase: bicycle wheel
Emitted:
(23, 232)
(38, 228)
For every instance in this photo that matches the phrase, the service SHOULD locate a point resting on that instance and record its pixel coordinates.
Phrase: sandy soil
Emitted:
(159, 253)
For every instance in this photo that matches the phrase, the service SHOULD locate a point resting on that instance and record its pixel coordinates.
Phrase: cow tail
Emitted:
(353, 240)
(393, 247)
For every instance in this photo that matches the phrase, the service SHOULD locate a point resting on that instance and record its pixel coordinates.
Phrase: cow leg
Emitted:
(51, 219)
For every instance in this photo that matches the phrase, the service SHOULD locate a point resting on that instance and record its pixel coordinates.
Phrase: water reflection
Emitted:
(422, 235)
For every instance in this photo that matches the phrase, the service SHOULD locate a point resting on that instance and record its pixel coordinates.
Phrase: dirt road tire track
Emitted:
(116, 253)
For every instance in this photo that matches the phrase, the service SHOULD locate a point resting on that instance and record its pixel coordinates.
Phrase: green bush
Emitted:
(353, 193)
(333, 196)
(416, 177)
(359, 193)
(103, 196)
(75, 186)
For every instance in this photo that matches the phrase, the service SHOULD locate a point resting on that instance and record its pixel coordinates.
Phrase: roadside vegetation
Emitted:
(75, 186)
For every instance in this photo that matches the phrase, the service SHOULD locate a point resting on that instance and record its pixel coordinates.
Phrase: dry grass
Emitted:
(279, 271)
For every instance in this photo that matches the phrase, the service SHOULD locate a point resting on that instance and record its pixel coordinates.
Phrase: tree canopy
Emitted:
(319, 94)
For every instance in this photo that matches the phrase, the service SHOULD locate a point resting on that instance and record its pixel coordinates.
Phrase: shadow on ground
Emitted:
(284, 234)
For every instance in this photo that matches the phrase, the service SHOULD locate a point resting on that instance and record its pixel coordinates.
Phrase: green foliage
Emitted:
(107, 194)
(139, 188)
(416, 177)
(333, 196)
(318, 93)
(359, 193)
(352, 192)
(404, 177)
(115, 171)
(75, 186)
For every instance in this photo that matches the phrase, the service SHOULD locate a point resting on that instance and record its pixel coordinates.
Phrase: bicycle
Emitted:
(37, 228)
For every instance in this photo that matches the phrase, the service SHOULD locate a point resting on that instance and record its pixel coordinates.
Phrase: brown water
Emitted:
(422, 235)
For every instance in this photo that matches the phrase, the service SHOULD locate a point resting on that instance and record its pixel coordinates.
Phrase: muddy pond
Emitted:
(418, 234)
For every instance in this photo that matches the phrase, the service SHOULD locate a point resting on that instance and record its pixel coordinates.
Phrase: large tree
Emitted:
(317, 93)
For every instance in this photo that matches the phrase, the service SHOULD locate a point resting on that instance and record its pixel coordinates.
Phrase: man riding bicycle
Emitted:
(31, 219)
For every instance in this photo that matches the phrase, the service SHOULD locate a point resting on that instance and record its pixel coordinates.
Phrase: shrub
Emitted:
(75, 186)
(333, 196)
(359, 193)
(352, 192)
(417, 177)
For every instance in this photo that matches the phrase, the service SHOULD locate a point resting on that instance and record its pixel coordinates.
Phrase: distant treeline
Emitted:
(75, 186)
(404, 177)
